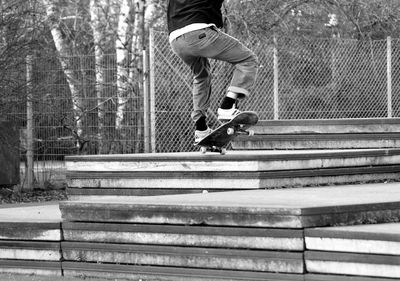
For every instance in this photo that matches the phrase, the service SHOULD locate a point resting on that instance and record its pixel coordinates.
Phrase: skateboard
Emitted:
(220, 138)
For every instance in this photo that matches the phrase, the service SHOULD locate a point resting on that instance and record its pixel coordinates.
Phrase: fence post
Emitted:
(152, 92)
(276, 80)
(29, 124)
(146, 107)
(389, 77)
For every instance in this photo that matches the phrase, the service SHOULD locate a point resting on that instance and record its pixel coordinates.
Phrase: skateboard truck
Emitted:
(231, 131)
(221, 150)
(220, 138)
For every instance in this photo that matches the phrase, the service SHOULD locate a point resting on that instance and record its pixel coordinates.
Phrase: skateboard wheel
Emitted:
(251, 133)
(230, 131)
(203, 150)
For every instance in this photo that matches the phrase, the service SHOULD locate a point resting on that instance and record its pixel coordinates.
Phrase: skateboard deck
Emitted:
(221, 137)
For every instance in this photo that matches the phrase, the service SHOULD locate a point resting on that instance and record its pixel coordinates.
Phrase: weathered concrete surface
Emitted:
(318, 141)
(285, 208)
(30, 236)
(386, 266)
(265, 261)
(239, 161)
(237, 170)
(38, 212)
(323, 134)
(188, 236)
(30, 222)
(320, 277)
(30, 268)
(370, 239)
(29, 250)
(328, 126)
(154, 273)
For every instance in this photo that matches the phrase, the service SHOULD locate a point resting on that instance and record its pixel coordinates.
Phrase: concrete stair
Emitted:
(366, 250)
(174, 173)
(236, 235)
(323, 134)
(348, 232)
(189, 230)
(30, 240)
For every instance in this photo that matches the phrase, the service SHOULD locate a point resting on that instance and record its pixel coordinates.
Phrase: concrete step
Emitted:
(281, 208)
(382, 266)
(132, 272)
(381, 239)
(318, 141)
(30, 239)
(27, 267)
(186, 236)
(361, 250)
(321, 277)
(323, 134)
(342, 233)
(236, 235)
(185, 257)
(172, 173)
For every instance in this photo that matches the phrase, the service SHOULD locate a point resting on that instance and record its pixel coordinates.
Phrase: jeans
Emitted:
(195, 47)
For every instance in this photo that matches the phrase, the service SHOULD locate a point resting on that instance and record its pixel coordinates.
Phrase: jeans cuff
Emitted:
(243, 93)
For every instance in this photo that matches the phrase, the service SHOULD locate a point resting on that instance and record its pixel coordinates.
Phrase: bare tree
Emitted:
(64, 48)
(123, 47)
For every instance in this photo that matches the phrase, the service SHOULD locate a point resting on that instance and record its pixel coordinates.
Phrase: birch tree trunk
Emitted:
(64, 49)
(123, 45)
(97, 21)
(137, 74)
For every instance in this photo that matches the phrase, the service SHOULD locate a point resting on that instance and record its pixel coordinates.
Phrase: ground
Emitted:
(10, 195)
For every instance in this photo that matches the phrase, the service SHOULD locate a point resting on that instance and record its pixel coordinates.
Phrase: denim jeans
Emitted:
(195, 47)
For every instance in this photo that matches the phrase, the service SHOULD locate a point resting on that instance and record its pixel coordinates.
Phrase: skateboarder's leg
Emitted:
(201, 97)
(229, 49)
(201, 90)
(224, 47)
(186, 48)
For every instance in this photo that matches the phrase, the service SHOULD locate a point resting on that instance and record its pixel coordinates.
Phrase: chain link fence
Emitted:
(40, 86)
(298, 79)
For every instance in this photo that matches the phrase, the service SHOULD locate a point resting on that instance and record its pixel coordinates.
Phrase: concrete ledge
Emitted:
(319, 277)
(195, 161)
(318, 141)
(186, 182)
(287, 208)
(31, 267)
(170, 273)
(265, 261)
(353, 264)
(30, 222)
(181, 172)
(41, 231)
(370, 239)
(188, 236)
(326, 126)
(323, 134)
(28, 250)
